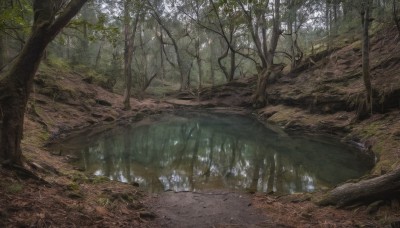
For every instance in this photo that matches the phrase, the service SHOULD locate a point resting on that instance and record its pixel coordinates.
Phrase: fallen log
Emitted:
(366, 191)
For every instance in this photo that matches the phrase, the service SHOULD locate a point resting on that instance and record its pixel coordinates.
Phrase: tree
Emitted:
(13, 24)
(367, 191)
(294, 24)
(181, 63)
(129, 34)
(396, 18)
(256, 17)
(366, 107)
(16, 84)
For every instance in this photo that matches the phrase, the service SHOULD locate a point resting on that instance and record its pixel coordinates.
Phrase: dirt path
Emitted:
(205, 209)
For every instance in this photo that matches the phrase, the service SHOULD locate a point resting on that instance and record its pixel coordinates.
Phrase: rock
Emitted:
(103, 102)
(75, 195)
(101, 211)
(109, 119)
(88, 80)
(95, 115)
(306, 215)
(147, 215)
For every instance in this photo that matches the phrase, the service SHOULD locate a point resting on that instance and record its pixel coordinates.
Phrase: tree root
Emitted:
(366, 191)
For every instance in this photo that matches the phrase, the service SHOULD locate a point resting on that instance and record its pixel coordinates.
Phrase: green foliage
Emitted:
(93, 42)
(58, 63)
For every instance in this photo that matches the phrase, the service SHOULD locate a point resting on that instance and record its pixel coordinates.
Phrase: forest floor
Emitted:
(318, 99)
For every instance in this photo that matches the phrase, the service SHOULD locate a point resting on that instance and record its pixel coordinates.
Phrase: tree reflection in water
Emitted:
(208, 151)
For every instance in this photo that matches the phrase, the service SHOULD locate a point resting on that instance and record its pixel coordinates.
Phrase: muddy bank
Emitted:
(206, 209)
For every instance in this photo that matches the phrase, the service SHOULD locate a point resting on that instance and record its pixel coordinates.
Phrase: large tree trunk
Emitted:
(260, 95)
(16, 84)
(366, 191)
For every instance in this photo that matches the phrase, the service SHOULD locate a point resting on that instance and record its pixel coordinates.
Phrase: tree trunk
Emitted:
(366, 191)
(200, 66)
(292, 47)
(198, 60)
(16, 84)
(365, 60)
(327, 23)
(68, 47)
(162, 59)
(221, 64)
(2, 51)
(212, 59)
(395, 17)
(233, 66)
(98, 56)
(184, 74)
(260, 95)
(128, 52)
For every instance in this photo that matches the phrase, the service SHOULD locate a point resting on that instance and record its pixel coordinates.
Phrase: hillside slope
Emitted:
(50, 192)
(328, 94)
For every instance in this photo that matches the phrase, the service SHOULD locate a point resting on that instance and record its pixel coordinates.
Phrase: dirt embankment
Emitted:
(62, 103)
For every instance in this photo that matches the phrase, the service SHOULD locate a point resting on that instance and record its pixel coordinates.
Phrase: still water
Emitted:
(194, 152)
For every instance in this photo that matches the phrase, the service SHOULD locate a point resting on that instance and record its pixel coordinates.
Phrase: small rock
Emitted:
(75, 195)
(71, 158)
(95, 115)
(109, 119)
(306, 215)
(79, 169)
(101, 211)
(103, 102)
(147, 215)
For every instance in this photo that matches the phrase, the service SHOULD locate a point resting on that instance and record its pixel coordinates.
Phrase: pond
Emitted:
(202, 151)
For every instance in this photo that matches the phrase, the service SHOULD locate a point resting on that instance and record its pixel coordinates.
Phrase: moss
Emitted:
(103, 201)
(73, 186)
(57, 63)
(99, 179)
(78, 177)
(371, 129)
(14, 188)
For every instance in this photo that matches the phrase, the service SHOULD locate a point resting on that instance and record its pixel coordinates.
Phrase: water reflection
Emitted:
(203, 151)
